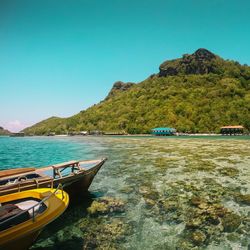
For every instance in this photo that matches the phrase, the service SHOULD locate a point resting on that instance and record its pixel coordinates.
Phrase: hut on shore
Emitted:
(163, 131)
(51, 134)
(232, 130)
(84, 133)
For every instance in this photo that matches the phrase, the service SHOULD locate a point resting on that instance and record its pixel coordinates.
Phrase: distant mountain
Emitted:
(4, 131)
(195, 93)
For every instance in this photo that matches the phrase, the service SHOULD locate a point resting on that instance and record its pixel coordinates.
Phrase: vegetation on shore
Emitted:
(197, 93)
(4, 131)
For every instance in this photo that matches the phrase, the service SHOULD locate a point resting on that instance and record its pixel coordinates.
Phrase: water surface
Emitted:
(159, 193)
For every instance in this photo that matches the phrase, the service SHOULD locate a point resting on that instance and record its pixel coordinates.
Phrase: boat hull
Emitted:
(82, 184)
(22, 243)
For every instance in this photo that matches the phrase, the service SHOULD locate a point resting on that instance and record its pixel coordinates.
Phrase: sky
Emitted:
(58, 57)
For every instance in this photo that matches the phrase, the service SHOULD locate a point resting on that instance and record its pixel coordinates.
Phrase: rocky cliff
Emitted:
(201, 61)
(119, 87)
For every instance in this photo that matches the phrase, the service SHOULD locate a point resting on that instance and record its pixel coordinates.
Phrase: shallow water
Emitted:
(175, 193)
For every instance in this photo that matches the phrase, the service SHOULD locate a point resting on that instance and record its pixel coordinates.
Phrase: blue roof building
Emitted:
(163, 131)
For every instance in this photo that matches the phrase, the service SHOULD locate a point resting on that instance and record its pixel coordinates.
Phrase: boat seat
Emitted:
(25, 205)
(8, 210)
(11, 210)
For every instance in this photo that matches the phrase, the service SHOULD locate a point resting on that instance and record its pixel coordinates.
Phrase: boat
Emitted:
(24, 214)
(75, 176)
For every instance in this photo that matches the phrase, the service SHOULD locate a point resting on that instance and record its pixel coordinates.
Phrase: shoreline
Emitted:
(139, 135)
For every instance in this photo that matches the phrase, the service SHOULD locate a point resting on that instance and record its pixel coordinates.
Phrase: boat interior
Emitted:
(18, 211)
(12, 180)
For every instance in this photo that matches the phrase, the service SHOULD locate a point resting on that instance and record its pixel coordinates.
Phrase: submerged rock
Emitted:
(228, 171)
(194, 222)
(169, 205)
(234, 237)
(209, 220)
(127, 189)
(150, 202)
(148, 192)
(243, 198)
(106, 205)
(97, 207)
(197, 201)
(105, 235)
(198, 238)
(184, 245)
(231, 222)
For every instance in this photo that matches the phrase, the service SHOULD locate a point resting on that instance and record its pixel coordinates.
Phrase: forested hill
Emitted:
(195, 93)
(4, 131)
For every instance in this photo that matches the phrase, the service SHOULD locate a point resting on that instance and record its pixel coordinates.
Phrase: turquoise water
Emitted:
(152, 193)
(42, 151)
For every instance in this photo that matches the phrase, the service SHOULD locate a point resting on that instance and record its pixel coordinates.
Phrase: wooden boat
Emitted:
(75, 176)
(24, 214)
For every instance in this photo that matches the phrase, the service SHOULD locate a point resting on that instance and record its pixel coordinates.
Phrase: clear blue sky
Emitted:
(58, 57)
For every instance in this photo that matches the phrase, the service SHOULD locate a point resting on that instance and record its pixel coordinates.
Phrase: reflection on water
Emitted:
(152, 193)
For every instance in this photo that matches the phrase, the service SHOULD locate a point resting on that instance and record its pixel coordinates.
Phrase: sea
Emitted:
(152, 193)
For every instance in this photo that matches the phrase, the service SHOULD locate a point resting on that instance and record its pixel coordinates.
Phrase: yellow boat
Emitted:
(24, 214)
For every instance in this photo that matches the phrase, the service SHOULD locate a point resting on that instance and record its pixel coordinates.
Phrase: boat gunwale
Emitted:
(15, 171)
